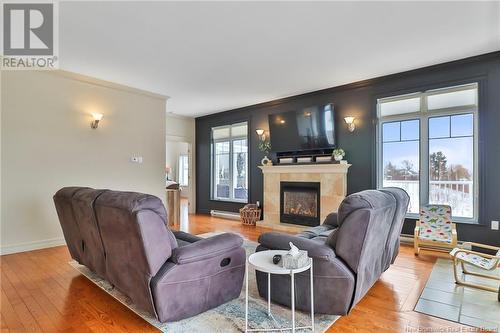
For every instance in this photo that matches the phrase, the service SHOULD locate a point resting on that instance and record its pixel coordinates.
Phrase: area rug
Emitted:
(228, 317)
(443, 298)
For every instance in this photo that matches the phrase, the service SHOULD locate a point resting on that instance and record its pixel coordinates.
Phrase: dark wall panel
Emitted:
(359, 100)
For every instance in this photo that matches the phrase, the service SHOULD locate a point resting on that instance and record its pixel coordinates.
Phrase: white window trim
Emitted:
(423, 116)
(181, 170)
(230, 139)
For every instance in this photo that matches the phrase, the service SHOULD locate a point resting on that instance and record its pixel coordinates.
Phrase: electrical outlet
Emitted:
(494, 225)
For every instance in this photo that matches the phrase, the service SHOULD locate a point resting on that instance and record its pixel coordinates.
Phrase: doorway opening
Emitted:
(178, 179)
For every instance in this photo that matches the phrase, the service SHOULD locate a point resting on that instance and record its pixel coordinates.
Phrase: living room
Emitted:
(250, 166)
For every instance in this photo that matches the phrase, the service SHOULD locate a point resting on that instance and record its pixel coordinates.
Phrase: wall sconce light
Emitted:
(350, 123)
(97, 118)
(261, 133)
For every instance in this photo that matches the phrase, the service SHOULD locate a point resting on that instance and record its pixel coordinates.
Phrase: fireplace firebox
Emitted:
(300, 203)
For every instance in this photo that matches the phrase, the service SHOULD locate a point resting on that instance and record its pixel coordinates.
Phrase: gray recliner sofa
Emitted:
(124, 238)
(350, 250)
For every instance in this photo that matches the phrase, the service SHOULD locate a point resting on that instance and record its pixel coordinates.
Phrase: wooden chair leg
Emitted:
(461, 282)
(488, 276)
(455, 273)
(416, 249)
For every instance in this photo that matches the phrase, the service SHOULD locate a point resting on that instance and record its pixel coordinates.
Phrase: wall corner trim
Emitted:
(106, 84)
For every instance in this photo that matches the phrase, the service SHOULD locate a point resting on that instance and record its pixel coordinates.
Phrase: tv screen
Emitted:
(310, 128)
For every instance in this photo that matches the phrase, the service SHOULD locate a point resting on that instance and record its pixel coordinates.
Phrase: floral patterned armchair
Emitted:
(434, 230)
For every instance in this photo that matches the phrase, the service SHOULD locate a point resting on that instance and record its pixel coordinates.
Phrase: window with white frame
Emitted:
(230, 162)
(183, 170)
(427, 145)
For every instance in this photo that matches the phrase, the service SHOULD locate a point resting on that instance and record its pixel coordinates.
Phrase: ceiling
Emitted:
(215, 56)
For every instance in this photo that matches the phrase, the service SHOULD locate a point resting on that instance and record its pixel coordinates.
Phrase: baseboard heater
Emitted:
(225, 215)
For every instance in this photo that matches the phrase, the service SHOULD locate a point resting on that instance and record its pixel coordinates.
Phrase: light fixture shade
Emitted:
(259, 131)
(97, 116)
(349, 120)
(350, 123)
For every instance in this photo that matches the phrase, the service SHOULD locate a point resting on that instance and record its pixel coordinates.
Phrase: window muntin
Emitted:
(447, 130)
(401, 158)
(230, 163)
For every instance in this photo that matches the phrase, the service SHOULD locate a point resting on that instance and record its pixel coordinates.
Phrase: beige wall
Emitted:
(47, 143)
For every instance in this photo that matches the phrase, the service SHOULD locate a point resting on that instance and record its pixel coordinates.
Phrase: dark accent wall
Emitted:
(359, 100)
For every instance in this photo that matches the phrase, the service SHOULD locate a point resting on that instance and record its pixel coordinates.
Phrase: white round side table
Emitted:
(263, 262)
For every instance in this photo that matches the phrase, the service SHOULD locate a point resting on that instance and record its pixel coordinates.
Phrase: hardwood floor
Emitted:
(40, 292)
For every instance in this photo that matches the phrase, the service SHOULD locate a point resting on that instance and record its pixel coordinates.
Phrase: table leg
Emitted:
(293, 301)
(312, 297)
(246, 296)
(268, 294)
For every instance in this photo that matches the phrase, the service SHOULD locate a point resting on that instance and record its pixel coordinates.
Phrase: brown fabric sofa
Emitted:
(124, 238)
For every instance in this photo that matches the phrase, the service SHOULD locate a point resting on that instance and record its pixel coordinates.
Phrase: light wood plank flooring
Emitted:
(40, 292)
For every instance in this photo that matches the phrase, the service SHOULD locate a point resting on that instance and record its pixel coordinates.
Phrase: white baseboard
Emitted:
(29, 246)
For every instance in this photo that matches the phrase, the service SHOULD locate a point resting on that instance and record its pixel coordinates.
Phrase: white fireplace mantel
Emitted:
(333, 189)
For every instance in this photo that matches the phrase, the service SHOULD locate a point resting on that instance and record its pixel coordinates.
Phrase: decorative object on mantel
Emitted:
(266, 161)
(295, 258)
(338, 154)
(305, 159)
(285, 160)
(264, 146)
(250, 214)
(323, 159)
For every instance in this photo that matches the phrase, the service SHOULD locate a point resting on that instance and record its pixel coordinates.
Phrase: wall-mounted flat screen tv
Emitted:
(311, 128)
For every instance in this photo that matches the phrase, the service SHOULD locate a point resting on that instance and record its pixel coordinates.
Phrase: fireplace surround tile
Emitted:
(333, 189)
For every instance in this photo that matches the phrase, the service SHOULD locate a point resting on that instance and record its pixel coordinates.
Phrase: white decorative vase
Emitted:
(266, 161)
(338, 158)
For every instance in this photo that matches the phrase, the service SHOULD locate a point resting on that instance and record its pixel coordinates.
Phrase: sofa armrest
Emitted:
(190, 238)
(279, 241)
(206, 248)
